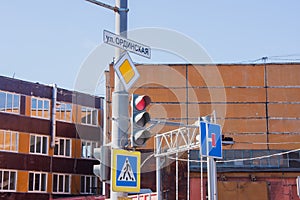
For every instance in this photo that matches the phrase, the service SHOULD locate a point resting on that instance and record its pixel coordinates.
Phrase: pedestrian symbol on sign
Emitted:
(126, 173)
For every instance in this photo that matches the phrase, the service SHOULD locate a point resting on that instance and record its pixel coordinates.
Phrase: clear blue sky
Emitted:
(47, 41)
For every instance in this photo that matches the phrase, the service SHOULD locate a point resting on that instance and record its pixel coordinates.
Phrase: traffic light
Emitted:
(139, 119)
(103, 169)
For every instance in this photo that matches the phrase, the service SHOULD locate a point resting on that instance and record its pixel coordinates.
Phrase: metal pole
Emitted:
(212, 179)
(158, 183)
(176, 176)
(212, 170)
(188, 168)
(120, 102)
(188, 177)
(201, 169)
(214, 166)
(104, 142)
(201, 175)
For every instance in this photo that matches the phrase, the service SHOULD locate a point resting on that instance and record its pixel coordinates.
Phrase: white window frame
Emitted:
(43, 109)
(16, 142)
(64, 184)
(58, 146)
(87, 148)
(61, 108)
(87, 118)
(42, 144)
(2, 171)
(40, 174)
(89, 179)
(12, 103)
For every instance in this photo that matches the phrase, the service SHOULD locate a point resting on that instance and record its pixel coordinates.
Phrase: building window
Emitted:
(9, 102)
(64, 112)
(8, 180)
(39, 144)
(40, 108)
(87, 148)
(9, 140)
(61, 183)
(89, 116)
(63, 147)
(88, 185)
(37, 182)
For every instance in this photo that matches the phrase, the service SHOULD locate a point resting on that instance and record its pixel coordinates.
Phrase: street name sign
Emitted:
(211, 140)
(126, 171)
(126, 44)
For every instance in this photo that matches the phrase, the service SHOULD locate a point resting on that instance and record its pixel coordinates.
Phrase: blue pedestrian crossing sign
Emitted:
(126, 171)
(211, 140)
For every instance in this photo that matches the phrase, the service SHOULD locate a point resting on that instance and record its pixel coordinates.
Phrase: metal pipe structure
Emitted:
(201, 175)
(174, 142)
(53, 115)
(104, 141)
(188, 171)
(176, 176)
(211, 179)
(212, 172)
(158, 165)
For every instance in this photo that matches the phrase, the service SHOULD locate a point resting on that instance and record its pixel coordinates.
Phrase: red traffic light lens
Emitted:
(141, 104)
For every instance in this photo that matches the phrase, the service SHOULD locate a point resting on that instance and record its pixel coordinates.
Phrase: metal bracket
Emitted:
(113, 8)
(121, 9)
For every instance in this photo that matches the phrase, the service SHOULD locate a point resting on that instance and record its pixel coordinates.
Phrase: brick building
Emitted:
(258, 105)
(47, 136)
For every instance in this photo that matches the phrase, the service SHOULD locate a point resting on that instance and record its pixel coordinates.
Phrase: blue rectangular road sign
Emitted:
(126, 171)
(202, 129)
(211, 139)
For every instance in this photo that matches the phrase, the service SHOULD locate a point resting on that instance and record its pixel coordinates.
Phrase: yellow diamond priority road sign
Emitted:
(126, 71)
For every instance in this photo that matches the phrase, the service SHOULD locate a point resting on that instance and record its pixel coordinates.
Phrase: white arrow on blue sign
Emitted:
(211, 140)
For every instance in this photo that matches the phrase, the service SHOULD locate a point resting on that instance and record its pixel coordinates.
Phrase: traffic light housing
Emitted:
(102, 170)
(139, 118)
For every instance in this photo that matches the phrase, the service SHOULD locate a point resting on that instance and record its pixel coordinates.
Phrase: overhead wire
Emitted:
(151, 155)
(239, 159)
(260, 157)
(269, 143)
(286, 57)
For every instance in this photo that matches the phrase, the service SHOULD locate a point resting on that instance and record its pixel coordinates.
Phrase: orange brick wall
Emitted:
(255, 103)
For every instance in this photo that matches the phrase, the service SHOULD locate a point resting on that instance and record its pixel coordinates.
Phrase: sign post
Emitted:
(211, 147)
(119, 136)
(120, 98)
